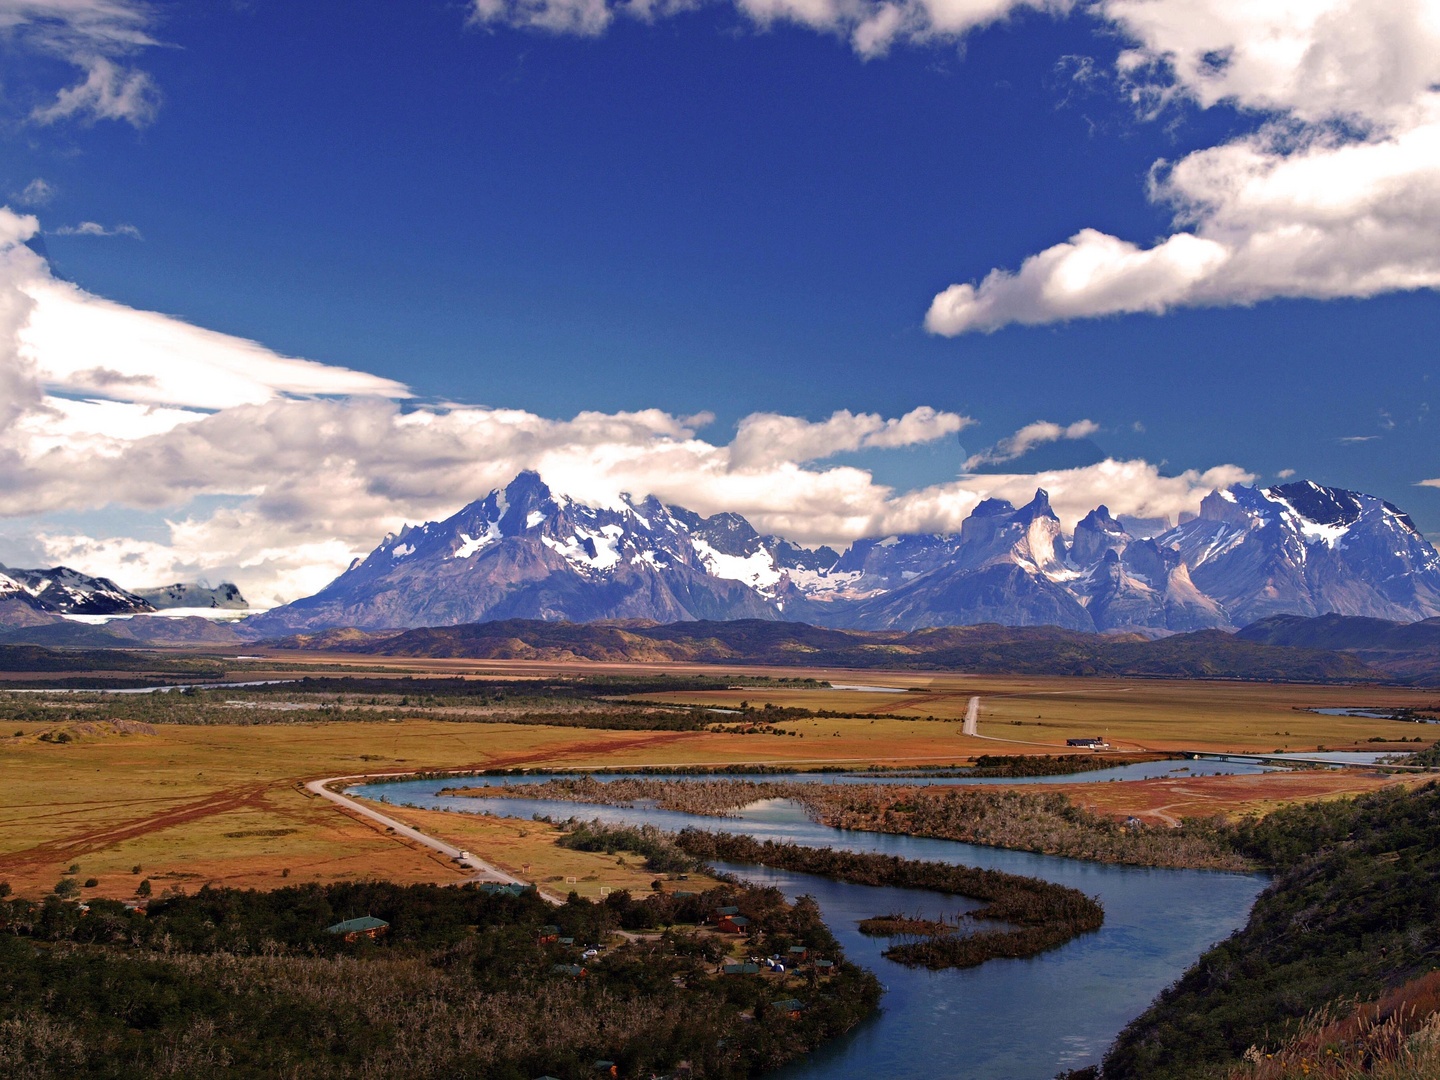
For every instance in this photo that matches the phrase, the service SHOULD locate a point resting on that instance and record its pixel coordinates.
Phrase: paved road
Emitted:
(483, 870)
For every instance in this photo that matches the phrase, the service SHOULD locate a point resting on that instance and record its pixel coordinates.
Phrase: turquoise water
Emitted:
(1005, 1020)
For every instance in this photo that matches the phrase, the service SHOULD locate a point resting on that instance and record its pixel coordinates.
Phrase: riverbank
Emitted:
(1042, 822)
(455, 982)
(1353, 914)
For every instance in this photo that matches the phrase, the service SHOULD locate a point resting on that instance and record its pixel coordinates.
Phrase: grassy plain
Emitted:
(223, 803)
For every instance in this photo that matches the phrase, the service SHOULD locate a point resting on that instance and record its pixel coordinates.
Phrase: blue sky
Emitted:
(701, 213)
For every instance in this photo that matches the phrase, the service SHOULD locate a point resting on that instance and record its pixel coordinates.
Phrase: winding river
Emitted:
(1005, 1020)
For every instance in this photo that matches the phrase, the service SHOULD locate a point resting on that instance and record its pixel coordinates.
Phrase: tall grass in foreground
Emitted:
(1395, 1038)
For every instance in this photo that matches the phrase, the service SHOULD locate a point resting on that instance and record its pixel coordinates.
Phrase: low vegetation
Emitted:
(463, 984)
(1353, 914)
(1395, 1038)
(1043, 915)
(988, 649)
(1044, 822)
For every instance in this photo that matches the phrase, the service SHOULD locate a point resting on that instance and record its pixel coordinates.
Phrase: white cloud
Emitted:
(1337, 194)
(871, 26)
(765, 438)
(38, 192)
(1429, 483)
(1285, 474)
(92, 35)
(94, 228)
(77, 343)
(1028, 437)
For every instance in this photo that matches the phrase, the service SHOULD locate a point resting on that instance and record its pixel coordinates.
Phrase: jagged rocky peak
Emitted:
(729, 534)
(528, 551)
(1095, 534)
(62, 591)
(1322, 505)
(528, 503)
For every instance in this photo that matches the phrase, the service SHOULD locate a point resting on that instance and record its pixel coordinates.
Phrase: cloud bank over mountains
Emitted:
(299, 466)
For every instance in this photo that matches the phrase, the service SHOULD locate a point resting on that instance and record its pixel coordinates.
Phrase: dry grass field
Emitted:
(224, 804)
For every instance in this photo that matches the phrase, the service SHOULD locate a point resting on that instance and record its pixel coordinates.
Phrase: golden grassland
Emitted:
(1040, 713)
(224, 803)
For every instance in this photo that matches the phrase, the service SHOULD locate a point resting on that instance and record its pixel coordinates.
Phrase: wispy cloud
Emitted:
(871, 26)
(1029, 437)
(38, 192)
(94, 228)
(1357, 438)
(96, 36)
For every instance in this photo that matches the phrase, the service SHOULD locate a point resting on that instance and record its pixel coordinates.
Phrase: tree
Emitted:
(144, 889)
(67, 888)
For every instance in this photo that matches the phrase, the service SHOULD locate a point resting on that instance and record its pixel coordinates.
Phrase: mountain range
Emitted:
(526, 552)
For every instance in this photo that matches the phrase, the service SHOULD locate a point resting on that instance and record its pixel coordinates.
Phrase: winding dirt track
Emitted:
(72, 847)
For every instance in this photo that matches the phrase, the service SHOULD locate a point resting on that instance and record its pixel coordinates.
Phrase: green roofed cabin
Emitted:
(741, 969)
(733, 924)
(797, 952)
(354, 929)
(720, 912)
(494, 888)
(789, 1007)
(607, 1068)
(573, 970)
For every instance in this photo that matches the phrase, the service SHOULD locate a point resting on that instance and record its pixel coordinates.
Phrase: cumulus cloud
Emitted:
(766, 438)
(1029, 437)
(1336, 194)
(95, 36)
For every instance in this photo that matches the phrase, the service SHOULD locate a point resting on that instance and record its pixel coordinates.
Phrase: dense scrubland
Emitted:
(1044, 822)
(988, 649)
(229, 984)
(1394, 1038)
(1040, 915)
(603, 703)
(1353, 914)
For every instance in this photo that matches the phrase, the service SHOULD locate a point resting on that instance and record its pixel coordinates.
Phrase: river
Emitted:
(1005, 1020)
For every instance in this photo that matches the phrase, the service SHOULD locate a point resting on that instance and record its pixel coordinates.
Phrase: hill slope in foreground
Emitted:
(988, 649)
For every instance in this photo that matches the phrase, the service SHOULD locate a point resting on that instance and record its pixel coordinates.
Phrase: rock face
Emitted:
(527, 553)
(62, 591)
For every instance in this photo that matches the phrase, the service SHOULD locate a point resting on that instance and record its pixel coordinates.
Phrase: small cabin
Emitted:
(798, 952)
(549, 935)
(788, 1007)
(607, 1068)
(500, 888)
(720, 913)
(740, 969)
(565, 941)
(825, 967)
(733, 924)
(1094, 743)
(355, 929)
(575, 971)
